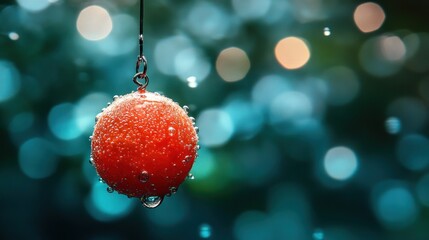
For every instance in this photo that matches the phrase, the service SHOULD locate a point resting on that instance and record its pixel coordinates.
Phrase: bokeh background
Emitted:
(313, 117)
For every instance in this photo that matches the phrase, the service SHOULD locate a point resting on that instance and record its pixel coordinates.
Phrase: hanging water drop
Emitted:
(171, 131)
(144, 177)
(91, 160)
(109, 189)
(151, 201)
(191, 176)
(90, 138)
(197, 147)
(192, 119)
(197, 129)
(115, 97)
(109, 103)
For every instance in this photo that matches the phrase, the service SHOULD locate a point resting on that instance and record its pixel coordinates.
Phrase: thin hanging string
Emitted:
(141, 27)
(141, 58)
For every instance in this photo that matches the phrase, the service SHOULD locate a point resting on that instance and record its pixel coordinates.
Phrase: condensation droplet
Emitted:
(171, 131)
(90, 138)
(91, 160)
(109, 189)
(197, 147)
(191, 176)
(115, 97)
(186, 108)
(197, 129)
(101, 180)
(108, 104)
(192, 119)
(97, 117)
(187, 159)
(173, 190)
(151, 201)
(144, 177)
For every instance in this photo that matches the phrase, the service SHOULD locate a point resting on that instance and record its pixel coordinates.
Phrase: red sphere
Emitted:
(144, 145)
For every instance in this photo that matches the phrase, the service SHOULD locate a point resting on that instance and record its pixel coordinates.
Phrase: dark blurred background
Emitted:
(312, 114)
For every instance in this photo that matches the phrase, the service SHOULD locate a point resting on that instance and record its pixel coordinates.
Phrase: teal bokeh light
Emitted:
(205, 230)
(394, 205)
(10, 81)
(105, 206)
(37, 158)
(63, 123)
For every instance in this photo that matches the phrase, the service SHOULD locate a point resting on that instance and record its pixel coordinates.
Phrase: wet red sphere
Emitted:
(144, 144)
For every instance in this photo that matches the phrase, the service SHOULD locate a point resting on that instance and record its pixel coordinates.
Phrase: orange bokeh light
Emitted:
(292, 52)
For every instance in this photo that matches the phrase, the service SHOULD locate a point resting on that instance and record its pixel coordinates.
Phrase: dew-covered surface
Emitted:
(312, 118)
(144, 145)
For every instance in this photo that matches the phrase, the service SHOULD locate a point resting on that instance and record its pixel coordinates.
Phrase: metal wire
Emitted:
(141, 58)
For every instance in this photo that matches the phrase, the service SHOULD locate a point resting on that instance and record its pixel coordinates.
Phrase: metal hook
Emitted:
(141, 76)
(141, 59)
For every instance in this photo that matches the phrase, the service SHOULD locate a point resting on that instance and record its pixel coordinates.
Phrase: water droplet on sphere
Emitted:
(171, 131)
(109, 189)
(151, 201)
(191, 176)
(197, 129)
(187, 159)
(197, 147)
(186, 108)
(192, 119)
(144, 177)
(173, 190)
(115, 97)
(91, 161)
(90, 138)
(108, 104)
